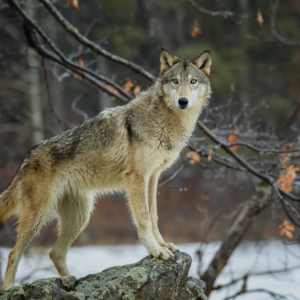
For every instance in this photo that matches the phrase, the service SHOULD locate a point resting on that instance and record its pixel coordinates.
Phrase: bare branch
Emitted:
(77, 110)
(273, 294)
(60, 58)
(224, 13)
(245, 164)
(96, 48)
(262, 273)
(217, 158)
(73, 67)
(263, 150)
(48, 93)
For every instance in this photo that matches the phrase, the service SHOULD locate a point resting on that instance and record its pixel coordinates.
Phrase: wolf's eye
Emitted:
(193, 81)
(175, 81)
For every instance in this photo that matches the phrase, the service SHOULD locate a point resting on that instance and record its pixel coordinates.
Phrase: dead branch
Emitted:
(94, 47)
(269, 272)
(49, 94)
(274, 295)
(225, 13)
(224, 145)
(60, 58)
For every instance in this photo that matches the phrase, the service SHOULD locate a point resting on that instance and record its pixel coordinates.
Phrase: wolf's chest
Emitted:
(160, 158)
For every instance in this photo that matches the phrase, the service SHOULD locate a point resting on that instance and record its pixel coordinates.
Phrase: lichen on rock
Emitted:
(148, 279)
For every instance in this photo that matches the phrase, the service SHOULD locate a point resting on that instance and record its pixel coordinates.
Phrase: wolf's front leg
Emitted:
(136, 189)
(152, 200)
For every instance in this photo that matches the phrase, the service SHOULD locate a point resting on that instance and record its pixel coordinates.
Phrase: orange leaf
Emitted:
(209, 154)
(137, 91)
(197, 30)
(113, 90)
(260, 18)
(74, 2)
(77, 76)
(128, 85)
(193, 33)
(285, 159)
(287, 179)
(80, 62)
(193, 157)
(286, 227)
(232, 138)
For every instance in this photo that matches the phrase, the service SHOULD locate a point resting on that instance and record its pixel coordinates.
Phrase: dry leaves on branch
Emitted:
(286, 227)
(197, 30)
(288, 178)
(193, 157)
(232, 138)
(74, 2)
(80, 62)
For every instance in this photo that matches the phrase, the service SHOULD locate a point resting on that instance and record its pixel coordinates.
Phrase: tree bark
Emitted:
(34, 92)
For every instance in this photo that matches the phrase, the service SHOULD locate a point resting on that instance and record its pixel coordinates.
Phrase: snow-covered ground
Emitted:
(249, 257)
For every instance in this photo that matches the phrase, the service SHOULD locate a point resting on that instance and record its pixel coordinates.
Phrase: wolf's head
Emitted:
(185, 83)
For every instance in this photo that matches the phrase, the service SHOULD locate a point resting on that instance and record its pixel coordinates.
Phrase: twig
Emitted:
(77, 110)
(262, 273)
(48, 92)
(263, 150)
(273, 294)
(73, 67)
(245, 164)
(224, 13)
(172, 176)
(216, 158)
(60, 58)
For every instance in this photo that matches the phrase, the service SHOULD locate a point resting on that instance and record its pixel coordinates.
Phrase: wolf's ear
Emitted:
(167, 60)
(203, 62)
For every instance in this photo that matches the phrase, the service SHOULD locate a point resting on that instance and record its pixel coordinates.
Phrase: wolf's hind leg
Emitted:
(152, 200)
(74, 213)
(30, 224)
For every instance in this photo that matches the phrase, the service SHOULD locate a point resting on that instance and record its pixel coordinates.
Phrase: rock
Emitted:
(148, 279)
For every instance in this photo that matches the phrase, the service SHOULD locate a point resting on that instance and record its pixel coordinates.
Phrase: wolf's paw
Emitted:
(170, 246)
(161, 252)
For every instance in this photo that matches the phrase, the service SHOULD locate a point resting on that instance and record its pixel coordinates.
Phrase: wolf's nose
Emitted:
(183, 102)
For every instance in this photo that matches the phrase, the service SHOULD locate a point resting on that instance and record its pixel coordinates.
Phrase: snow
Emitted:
(249, 257)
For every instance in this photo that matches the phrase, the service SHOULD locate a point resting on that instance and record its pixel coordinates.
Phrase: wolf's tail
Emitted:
(7, 204)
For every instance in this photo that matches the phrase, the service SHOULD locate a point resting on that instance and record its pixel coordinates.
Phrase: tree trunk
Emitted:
(104, 99)
(34, 92)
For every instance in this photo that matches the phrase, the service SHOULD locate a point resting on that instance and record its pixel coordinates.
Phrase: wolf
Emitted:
(123, 148)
